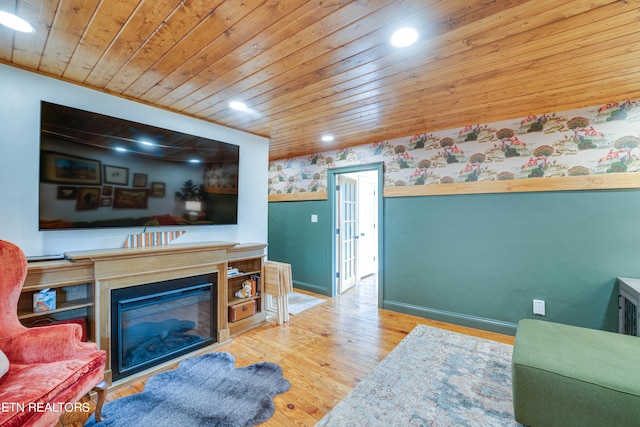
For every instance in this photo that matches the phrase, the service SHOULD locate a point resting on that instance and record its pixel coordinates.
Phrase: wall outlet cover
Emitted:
(538, 307)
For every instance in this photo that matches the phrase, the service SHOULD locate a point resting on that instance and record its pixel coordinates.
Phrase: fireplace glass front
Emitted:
(156, 322)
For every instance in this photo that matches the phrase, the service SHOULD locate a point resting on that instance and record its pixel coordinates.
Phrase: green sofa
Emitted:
(570, 376)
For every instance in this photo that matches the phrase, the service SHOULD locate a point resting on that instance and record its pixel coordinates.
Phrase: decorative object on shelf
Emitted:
(157, 238)
(45, 300)
(243, 310)
(245, 292)
(255, 281)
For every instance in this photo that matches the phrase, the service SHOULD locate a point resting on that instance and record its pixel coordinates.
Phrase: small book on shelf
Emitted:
(255, 278)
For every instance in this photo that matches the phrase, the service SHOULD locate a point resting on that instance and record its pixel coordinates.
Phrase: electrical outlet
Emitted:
(538, 307)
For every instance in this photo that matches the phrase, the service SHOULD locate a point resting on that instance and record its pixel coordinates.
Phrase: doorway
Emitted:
(355, 211)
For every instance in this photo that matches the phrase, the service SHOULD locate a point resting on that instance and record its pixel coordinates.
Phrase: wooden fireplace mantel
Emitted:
(126, 267)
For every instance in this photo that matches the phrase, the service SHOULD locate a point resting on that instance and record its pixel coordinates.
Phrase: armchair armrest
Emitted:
(46, 344)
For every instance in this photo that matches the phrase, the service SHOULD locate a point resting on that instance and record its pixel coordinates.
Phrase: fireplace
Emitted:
(156, 322)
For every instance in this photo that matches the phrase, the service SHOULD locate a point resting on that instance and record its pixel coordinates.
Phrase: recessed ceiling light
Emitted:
(120, 149)
(15, 23)
(240, 106)
(194, 161)
(147, 143)
(404, 37)
(327, 138)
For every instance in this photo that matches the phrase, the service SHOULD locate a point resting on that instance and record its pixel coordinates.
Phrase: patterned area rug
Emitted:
(299, 302)
(202, 391)
(433, 377)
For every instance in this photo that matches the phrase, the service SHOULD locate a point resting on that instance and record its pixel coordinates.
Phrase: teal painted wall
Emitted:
(480, 260)
(294, 239)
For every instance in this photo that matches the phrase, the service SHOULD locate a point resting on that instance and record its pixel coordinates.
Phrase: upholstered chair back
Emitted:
(49, 367)
(13, 271)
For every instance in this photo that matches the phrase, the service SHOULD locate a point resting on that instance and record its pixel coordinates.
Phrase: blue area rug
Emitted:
(202, 391)
(433, 377)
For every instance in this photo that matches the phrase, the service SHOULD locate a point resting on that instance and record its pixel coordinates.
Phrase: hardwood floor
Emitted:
(325, 351)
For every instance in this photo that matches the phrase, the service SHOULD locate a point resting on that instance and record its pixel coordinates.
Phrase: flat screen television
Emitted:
(102, 171)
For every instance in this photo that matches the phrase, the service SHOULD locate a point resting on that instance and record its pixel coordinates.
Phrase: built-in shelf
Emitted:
(236, 300)
(243, 273)
(249, 260)
(61, 308)
(73, 284)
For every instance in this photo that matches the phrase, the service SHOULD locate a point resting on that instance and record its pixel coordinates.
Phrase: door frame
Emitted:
(367, 193)
(332, 177)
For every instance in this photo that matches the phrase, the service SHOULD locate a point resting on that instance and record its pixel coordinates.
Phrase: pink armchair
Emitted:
(49, 367)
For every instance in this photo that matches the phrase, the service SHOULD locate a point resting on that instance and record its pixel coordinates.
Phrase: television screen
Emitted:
(102, 171)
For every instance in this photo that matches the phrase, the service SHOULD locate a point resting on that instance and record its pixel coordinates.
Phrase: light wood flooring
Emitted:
(325, 351)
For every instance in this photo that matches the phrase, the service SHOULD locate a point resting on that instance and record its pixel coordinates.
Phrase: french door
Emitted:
(347, 233)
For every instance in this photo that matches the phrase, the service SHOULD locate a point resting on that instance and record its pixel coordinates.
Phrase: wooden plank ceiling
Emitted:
(309, 68)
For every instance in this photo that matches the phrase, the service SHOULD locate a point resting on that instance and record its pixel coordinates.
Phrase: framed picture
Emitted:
(67, 193)
(66, 169)
(105, 202)
(88, 198)
(139, 180)
(107, 190)
(116, 175)
(157, 189)
(129, 198)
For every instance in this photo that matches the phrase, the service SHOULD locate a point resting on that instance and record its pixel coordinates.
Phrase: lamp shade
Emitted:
(193, 206)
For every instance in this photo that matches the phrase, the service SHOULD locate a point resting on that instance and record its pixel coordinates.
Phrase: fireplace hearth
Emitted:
(156, 322)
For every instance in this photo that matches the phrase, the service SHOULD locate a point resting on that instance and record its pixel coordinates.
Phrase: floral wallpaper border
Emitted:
(588, 141)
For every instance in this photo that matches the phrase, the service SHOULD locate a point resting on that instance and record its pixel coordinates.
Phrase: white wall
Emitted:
(22, 92)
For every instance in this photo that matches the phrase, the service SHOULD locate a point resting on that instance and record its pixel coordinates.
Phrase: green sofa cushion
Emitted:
(566, 375)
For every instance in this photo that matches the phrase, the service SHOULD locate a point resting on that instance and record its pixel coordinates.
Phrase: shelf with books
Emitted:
(245, 304)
